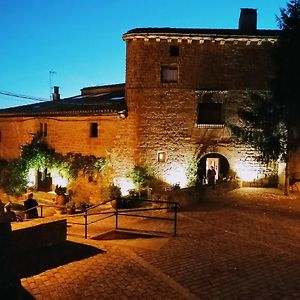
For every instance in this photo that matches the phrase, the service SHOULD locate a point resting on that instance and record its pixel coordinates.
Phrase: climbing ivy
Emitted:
(191, 172)
(39, 155)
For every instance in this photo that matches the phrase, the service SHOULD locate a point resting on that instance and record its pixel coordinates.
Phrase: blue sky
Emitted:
(81, 40)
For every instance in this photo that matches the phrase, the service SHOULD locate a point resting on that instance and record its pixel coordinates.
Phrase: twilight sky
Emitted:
(81, 40)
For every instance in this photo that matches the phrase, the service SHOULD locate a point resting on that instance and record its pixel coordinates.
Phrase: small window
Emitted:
(174, 51)
(161, 156)
(210, 114)
(94, 130)
(169, 74)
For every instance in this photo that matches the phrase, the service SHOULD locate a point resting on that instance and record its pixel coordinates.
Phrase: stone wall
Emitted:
(37, 234)
(116, 142)
(210, 65)
(166, 113)
(68, 134)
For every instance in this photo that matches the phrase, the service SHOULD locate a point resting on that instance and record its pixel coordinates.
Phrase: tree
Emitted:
(270, 122)
(286, 84)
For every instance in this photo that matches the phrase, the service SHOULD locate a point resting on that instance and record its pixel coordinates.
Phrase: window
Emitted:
(43, 129)
(174, 51)
(169, 74)
(210, 114)
(161, 156)
(94, 130)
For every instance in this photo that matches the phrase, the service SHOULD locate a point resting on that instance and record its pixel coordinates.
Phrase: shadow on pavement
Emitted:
(37, 261)
(123, 234)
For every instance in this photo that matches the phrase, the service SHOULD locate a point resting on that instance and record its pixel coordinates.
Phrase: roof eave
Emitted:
(60, 114)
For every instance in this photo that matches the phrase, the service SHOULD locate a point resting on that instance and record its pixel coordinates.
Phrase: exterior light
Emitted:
(161, 156)
(176, 175)
(246, 173)
(58, 180)
(31, 177)
(125, 185)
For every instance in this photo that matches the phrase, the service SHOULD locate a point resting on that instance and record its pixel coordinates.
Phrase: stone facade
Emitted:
(209, 69)
(174, 77)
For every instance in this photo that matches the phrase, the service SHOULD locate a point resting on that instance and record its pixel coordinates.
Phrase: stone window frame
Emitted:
(210, 112)
(94, 129)
(169, 74)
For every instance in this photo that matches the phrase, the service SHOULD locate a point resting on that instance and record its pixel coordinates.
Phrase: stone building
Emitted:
(182, 87)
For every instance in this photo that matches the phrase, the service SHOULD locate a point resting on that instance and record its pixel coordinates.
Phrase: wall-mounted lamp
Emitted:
(161, 156)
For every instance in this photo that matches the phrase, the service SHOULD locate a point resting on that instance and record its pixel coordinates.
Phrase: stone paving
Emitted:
(245, 245)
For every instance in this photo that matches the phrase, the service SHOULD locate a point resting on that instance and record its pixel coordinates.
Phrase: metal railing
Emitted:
(127, 212)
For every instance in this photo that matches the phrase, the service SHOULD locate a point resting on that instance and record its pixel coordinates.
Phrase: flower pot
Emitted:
(71, 210)
(117, 203)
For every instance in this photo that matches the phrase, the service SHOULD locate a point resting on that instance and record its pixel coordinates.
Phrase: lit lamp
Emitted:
(161, 156)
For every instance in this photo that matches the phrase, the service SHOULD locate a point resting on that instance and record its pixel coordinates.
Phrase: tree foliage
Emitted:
(140, 176)
(285, 87)
(39, 155)
(270, 122)
(262, 127)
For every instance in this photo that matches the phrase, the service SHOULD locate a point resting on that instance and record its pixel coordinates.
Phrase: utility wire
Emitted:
(10, 94)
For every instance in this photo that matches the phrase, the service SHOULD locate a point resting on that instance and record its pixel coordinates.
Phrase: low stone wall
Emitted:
(37, 234)
(10, 284)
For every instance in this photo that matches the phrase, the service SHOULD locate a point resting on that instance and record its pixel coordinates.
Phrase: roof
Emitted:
(99, 101)
(200, 32)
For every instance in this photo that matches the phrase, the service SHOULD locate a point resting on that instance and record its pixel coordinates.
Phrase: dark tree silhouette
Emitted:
(271, 122)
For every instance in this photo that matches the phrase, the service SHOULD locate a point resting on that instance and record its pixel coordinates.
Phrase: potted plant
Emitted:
(60, 198)
(71, 208)
(115, 196)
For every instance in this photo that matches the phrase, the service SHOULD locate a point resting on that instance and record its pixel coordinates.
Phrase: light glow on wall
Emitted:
(176, 175)
(58, 179)
(125, 185)
(245, 173)
(31, 177)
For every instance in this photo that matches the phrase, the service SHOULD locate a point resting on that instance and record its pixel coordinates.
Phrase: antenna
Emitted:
(51, 73)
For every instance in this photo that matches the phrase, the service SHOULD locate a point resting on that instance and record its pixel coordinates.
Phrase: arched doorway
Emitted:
(218, 161)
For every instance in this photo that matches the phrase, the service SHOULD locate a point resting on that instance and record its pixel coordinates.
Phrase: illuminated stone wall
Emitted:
(167, 112)
(115, 142)
(71, 134)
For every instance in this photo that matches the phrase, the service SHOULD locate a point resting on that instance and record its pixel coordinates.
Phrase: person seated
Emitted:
(9, 213)
(31, 207)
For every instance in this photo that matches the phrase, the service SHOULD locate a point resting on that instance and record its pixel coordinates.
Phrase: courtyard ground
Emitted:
(244, 244)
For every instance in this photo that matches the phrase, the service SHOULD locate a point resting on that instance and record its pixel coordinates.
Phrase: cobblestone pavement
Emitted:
(245, 245)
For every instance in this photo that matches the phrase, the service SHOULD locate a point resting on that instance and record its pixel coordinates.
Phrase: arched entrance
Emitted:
(218, 161)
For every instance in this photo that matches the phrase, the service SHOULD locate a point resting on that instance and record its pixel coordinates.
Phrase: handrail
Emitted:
(126, 212)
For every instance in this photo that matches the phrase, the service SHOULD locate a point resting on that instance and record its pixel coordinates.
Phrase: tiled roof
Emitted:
(201, 32)
(102, 102)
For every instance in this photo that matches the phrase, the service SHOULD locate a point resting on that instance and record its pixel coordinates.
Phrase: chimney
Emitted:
(56, 95)
(248, 20)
